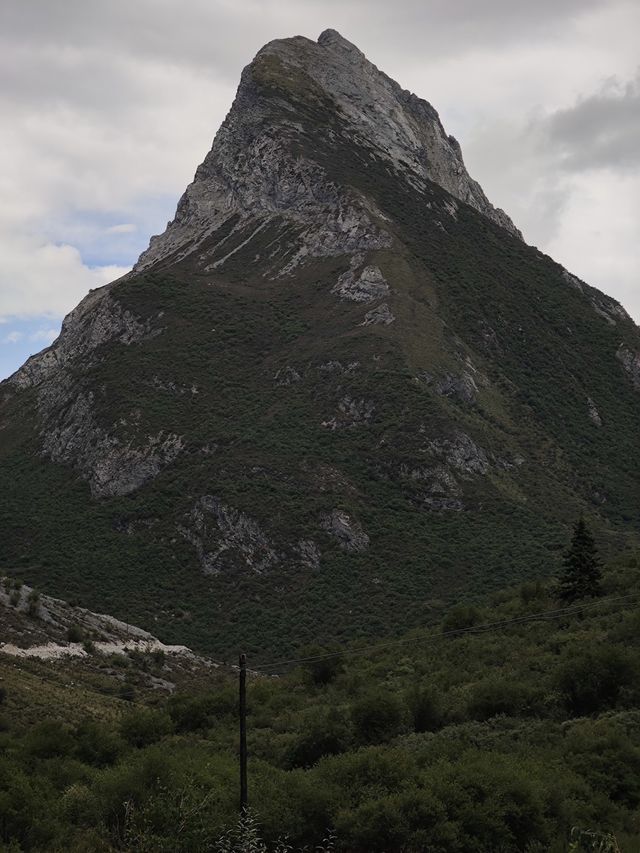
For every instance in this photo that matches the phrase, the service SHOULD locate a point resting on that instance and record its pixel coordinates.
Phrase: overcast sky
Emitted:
(108, 106)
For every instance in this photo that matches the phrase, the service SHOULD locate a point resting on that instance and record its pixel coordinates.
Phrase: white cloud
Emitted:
(124, 228)
(46, 279)
(45, 336)
(106, 110)
(12, 338)
(597, 237)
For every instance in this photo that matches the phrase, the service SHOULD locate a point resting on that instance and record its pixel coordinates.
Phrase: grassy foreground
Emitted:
(525, 737)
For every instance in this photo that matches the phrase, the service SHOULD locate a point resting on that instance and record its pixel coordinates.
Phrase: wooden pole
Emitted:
(243, 735)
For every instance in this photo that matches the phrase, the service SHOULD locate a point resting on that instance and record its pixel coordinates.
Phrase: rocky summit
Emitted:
(339, 393)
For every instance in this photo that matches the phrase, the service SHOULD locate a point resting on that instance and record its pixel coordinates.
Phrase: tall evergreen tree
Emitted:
(582, 576)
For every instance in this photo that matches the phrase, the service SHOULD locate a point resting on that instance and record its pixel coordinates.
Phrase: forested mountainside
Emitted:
(337, 395)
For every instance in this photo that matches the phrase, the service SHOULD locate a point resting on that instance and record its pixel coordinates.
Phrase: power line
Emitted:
(475, 629)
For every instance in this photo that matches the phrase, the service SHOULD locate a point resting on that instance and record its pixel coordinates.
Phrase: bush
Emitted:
(411, 820)
(595, 678)
(493, 802)
(144, 726)
(604, 755)
(324, 734)
(377, 717)
(497, 696)
(532, 591)
(33, 603)
(75, 634)
(127, 692)
(425, 706)
(125, 787)
(97, 745)
(324, 669)
(48, 739)
(3, 695)
(460, 618)
(191, 713)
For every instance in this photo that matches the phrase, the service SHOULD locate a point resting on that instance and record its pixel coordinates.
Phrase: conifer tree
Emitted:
(582, 576)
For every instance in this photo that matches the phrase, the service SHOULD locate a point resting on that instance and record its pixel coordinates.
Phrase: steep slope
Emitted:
(337, 393)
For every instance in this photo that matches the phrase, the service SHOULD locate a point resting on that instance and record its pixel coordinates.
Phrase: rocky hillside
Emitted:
(338, 393)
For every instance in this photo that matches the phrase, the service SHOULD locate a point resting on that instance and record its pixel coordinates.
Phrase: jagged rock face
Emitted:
(70, 431)
(253, 172)
(99, 318)
(225, 537)
(631, 363)
(348, 532)
(368, 286)
(339, 363)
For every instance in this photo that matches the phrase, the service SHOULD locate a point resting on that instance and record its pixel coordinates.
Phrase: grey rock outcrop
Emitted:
(224, 538)
(98, 319)
(308, 553)
(438, 490)
(70, 431)
(461, 453)
(594, 414)
(254, 172)
(609, 309)
(368, 286)
(351, 412)
(631, 364)
(348, 532)
(287, 376)
(463, 387)
(379, 316)
(110, 465)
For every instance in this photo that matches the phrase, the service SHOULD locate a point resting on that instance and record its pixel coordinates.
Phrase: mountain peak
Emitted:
(296, 102)
(341, 395)
(333, 39)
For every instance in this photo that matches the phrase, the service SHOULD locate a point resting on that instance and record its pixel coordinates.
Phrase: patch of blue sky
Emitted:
(103, 239)
(114, 237)
(21, 338)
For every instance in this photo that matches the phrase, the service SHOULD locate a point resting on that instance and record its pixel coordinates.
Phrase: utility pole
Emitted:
(243, 735)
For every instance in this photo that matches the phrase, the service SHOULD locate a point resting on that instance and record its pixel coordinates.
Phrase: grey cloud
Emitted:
(214, 34)
(98, 56)
(109, 106)
(446, 28)
(602, 130)
(90, 54)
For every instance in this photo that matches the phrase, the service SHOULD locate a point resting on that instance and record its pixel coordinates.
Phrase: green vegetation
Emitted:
(524, 737)
(463, 292)
(582, 577)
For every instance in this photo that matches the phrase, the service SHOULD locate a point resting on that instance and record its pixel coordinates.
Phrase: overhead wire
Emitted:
(431, 637)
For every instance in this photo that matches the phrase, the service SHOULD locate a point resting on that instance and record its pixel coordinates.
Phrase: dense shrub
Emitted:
(194, 713)
(48, 739)
(425, 706)
(497, 696)
(97, 744)
(461, 775)
(75, 634)
(597, 677)
(144, 726)
(459, 618)
(325, 663)
(325, 733)
(377, 717)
